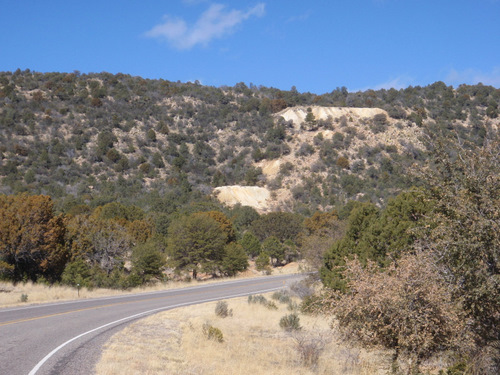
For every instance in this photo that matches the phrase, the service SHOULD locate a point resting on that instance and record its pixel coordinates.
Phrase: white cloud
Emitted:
(400, 82)
(214, 23)
(474, 76)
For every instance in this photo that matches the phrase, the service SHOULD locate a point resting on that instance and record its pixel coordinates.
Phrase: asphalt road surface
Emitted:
(66, 337)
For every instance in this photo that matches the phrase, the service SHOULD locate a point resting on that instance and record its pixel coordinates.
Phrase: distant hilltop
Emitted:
(90, 137)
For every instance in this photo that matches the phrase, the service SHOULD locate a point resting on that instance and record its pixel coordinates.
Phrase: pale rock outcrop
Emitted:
(253, 196)
(298, 114)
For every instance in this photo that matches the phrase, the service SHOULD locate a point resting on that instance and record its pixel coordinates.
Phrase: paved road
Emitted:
(66, 337)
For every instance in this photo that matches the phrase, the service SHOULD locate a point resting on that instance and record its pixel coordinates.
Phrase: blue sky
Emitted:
(313, 45)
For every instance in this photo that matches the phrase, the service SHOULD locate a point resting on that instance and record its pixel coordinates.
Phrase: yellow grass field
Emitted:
(173, 342)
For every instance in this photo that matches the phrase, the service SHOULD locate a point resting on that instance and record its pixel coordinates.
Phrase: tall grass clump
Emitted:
(222, 310)
(260, 299)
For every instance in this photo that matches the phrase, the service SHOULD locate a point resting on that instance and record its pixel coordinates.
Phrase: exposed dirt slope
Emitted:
(298, 114)
(353, 123)
(253, 196)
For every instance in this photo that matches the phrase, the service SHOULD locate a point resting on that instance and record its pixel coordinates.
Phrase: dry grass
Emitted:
(10, 294)
(172, 342)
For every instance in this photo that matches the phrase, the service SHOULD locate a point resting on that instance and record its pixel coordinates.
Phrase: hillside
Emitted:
(97, 138)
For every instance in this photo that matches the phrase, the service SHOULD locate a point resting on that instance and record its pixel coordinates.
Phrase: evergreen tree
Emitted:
(196, 242)
(274, 249)
(235, 259)
(251, 244)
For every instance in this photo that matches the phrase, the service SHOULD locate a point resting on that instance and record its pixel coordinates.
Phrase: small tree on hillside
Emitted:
(224, 222)
(283, 225)
(262, 262)
(322, 230)
(310, 122)
(147, 261)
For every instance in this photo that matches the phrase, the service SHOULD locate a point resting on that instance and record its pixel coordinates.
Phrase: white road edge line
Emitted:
(47, 357)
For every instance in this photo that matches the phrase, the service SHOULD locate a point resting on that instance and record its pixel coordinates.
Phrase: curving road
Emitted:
(66, 337)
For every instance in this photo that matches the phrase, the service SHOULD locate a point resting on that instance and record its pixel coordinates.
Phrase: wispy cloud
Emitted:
(300, 17)
(397, 83)
(214, 23)
(474, 76)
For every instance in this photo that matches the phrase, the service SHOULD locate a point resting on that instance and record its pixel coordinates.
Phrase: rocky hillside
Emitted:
(100, 137)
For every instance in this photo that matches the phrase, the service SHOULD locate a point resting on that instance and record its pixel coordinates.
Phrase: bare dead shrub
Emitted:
(302, 289)
(309, 347)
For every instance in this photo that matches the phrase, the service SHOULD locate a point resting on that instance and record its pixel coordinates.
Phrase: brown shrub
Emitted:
(407, 308)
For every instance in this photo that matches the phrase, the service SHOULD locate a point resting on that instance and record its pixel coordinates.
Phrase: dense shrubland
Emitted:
(98, 138)
(121, 246)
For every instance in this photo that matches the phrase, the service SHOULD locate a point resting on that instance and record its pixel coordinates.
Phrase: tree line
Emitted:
(121, 246)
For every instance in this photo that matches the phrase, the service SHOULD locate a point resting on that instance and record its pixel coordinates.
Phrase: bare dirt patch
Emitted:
(298, 114)
(253, 196)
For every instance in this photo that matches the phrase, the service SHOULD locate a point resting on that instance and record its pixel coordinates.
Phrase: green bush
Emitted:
(212, 333)
(271, 305)
(281, 296)
(235, 259)
(251, 244)
(262, 263)
(290, 322)
(459, 368)
(311, 304)
(148, 261)
(76, 273)
(257, 299)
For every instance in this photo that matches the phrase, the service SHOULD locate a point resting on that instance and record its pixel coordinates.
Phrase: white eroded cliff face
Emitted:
(253, 196)
(298, 114)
